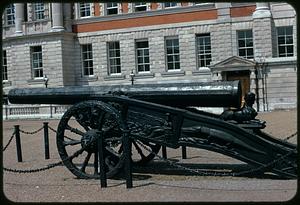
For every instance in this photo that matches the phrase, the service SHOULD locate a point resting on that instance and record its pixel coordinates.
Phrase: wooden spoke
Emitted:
(71, 142)
(85, 162)
(74, 130)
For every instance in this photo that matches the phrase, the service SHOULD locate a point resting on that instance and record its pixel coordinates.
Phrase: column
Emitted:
(57, 17)
(262, 10)
(19, 18)
(223, 11)
(262, 31)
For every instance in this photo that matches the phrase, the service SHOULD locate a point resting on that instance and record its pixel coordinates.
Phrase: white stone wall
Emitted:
(282, 84)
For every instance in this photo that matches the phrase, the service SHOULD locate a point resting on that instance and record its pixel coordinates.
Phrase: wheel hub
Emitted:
(89, 140)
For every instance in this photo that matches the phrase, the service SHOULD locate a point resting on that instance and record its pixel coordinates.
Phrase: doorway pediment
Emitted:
(233, 63)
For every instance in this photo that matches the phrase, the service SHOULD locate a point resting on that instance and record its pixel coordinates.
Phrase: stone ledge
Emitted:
(143, 75)
(201, 72)
(114, 77)
(88, 78)
(173, 73)
(36, 81)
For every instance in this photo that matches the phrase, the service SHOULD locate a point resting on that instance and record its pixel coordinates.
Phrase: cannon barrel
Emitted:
(208, 94)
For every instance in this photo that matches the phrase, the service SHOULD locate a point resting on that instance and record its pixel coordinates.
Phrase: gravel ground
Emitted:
(156, 183)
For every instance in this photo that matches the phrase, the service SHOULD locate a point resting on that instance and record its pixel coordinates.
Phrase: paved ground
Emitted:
(158, 183)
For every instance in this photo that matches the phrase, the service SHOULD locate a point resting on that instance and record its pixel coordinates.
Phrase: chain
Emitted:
(9, 141)
(217, 173)
(51, 129)
(31, 133)
(289, 137)
(49, 166)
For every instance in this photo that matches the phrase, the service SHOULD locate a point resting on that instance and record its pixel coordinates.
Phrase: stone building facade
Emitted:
(106, 43)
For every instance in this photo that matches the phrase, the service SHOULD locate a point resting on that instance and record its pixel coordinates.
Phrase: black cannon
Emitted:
(156, 115)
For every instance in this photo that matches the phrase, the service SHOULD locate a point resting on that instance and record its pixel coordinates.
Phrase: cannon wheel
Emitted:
(77, 135)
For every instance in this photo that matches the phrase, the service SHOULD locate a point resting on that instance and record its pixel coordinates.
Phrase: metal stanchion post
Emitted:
(164, 152)
(103, 179)
(183, 149)
(128, 165)
(46, 140)
(18, 143)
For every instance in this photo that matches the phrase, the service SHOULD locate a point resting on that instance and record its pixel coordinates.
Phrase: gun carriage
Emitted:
(157, 115)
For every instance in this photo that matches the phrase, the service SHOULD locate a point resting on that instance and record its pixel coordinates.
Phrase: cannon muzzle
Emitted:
(208, 94)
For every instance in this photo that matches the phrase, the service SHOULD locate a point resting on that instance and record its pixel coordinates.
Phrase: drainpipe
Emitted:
(256, 87)
(266, 87)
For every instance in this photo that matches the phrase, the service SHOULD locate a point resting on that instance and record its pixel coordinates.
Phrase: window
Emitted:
(37, 61)
(202, 3)
(114, 58)
(142, 6)
(245, 44)
(10, 14)
(142, 56)
(87, 59)
(172, 53)
(111, 8)
(203, 50)
(4, 66)
(84, 9)
(285, 41)
(170, 4)
(39, 11)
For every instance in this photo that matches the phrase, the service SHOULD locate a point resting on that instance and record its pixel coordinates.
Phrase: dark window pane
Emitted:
(281, 31)
(289, 40)
(170, 66)
(249, 43)
(147, 67)
(289, 30)
(242, 52)
(281, 40)
(142, 44)
(242, 43)
(241, 34)
(177, 65)
(290, 49)
(248, 34)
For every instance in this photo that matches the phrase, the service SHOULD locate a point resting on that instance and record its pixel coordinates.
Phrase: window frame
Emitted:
(174, 62)
(10, 11)
(39, 59)
(144, 56)
(201, 55)
(245, 48)
(116, 67)
(285, 45)
(140, 5)
(107, 8)
(168, 7)
(39, 11)
(86, 7)
(4, 66)
(87, 50)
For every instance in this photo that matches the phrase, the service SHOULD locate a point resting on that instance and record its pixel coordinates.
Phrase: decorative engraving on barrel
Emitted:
(150, 127)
